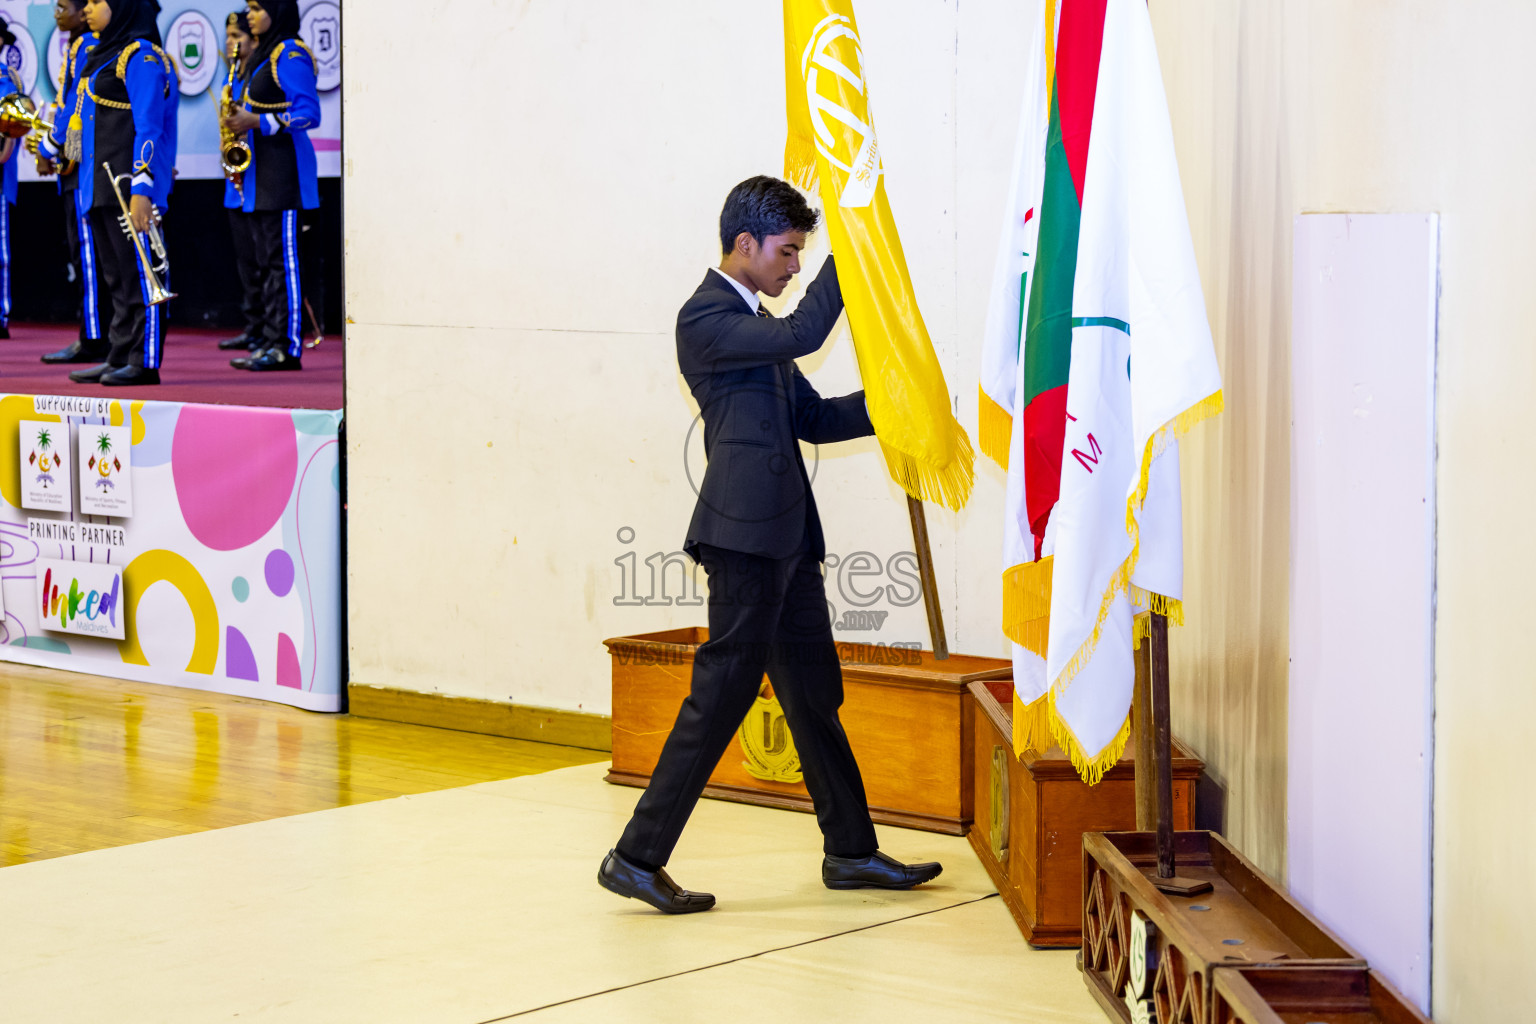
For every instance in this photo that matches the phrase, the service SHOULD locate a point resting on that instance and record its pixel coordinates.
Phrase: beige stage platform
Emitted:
(479, 904)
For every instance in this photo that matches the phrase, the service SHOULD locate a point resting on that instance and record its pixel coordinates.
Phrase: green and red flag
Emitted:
(1111, 359)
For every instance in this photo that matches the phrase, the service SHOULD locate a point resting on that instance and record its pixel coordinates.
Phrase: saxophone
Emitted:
(234, 154)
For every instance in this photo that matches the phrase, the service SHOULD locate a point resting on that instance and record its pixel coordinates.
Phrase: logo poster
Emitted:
(106, 483)
(197, 49)
(81, 597)
(44, 474)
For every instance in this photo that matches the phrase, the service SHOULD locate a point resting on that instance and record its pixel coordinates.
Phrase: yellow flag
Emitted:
(832, 144)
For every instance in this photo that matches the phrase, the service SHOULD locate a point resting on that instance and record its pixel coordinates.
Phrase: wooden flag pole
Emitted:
(930, 583)
(1167, 879)
(1146, 746)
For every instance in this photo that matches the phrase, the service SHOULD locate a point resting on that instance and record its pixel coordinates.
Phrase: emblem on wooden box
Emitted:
(765, 740)
(998, 816)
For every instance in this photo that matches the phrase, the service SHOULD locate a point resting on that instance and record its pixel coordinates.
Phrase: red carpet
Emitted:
(194, 370)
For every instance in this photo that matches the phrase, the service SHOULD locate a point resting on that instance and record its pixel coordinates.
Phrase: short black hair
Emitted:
(763, 206)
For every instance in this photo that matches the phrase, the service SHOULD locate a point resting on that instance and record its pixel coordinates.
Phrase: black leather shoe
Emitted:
(876, 871)
(5, 333)
(244, 362)
(76, 353)
(127, 376)
(272, 359)
(653, 887)
(244, 341)
(92, 375)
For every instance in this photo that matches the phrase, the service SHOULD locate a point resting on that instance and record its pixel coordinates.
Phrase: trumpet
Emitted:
(19, 116)
(152, 271)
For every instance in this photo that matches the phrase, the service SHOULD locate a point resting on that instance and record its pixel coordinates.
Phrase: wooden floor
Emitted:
(88, 763)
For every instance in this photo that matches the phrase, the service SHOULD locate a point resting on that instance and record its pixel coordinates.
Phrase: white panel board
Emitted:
(1362, 583)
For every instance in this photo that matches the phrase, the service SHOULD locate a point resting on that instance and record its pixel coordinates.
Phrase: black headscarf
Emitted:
(285, 26)
(131, 19)
(240, 21)
(7, 37)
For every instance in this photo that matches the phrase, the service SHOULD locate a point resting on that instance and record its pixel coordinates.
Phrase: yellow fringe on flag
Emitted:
(994, 428)
(1038, 726)
(1171, 607)
(1031, 725)
(800, 162)
(943, 485)
(1090, 767)
(1165, 435)
(1183, 423)
(1164, 605)
(1027, 603)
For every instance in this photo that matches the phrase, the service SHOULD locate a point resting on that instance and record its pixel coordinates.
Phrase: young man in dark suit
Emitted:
(757, 534)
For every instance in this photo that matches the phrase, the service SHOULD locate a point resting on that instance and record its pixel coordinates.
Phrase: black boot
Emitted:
(93, 374)
(125, 376)
(79, 352)
(274, 359)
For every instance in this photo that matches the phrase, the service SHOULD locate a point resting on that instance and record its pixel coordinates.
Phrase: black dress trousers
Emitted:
(253, 309)
(137, 330)
(765, 614)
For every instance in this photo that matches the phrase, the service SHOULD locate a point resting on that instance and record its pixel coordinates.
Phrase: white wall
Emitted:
(513, 397)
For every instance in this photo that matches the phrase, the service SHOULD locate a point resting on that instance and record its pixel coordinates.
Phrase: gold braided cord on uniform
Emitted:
(272, 63)
(127, 54)
(85, 84)
(68, 65)
(170, 64)
(133, 48)
(314, 65)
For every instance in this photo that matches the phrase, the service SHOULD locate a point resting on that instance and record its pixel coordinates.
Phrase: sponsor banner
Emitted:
(230, 567)
(81, 597)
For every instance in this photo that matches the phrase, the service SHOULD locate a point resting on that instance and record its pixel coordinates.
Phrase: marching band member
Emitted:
(125, 114)
(91, 347)
(281, 106)
(9, 83)
(239, 44)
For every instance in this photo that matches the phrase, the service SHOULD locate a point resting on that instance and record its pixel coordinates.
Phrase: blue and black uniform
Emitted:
(126, 104)
(9, 83)
(79, 237)
(283, 179)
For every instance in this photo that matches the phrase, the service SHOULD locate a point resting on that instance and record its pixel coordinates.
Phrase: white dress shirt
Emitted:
(741, 289)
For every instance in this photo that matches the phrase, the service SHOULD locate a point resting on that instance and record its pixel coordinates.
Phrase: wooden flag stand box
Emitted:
(1031, 814)
(907, 716)
(1148, 955)
(1322, 995)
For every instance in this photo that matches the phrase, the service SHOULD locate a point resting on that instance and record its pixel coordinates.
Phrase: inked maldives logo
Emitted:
(78, 604)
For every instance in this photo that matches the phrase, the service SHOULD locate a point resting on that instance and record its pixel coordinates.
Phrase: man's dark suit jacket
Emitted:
(755, 403)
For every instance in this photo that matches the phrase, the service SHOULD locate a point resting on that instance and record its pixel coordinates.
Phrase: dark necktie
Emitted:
(763, 311)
